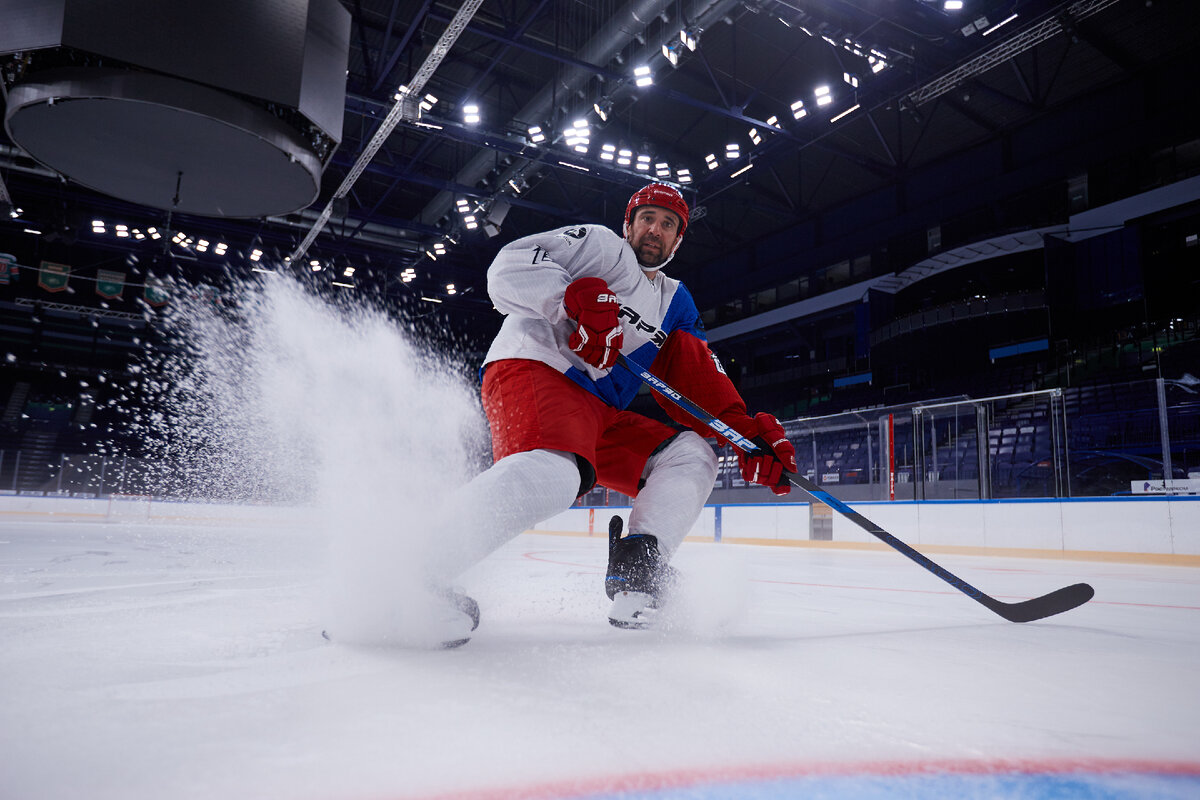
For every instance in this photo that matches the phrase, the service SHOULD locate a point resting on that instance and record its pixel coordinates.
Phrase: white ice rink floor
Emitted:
(150, 661)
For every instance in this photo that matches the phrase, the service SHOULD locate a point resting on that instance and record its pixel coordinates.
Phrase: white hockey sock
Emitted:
(508, 498)
(679, 479)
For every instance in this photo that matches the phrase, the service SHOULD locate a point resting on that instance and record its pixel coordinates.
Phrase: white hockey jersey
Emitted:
(526, 283)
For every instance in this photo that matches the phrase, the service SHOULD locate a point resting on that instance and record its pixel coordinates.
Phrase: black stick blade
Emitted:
(1041, 607)
(1026, 611)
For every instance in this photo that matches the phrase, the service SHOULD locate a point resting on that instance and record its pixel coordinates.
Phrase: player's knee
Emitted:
(567, 470)
(550, 474)
(690, 451)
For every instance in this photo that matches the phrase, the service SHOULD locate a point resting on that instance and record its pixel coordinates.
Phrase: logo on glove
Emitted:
(595, 310)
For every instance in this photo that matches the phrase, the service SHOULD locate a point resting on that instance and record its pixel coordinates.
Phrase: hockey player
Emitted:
(574, 298)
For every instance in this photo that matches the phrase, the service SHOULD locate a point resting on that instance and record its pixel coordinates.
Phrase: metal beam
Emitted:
(413, 26)
(404, 106)
(1040, 31)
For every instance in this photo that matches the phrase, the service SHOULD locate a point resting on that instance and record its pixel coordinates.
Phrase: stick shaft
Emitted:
(1047, 605)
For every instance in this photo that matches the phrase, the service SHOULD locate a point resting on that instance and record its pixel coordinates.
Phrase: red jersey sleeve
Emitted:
(686, 363)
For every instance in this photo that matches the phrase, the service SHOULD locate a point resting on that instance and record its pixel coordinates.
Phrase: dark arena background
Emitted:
(953, 245)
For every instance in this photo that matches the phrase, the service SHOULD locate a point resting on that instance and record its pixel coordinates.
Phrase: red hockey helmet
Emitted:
(663, 196)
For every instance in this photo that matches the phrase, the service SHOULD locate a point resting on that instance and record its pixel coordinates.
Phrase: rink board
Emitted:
(1163, 527)
(1154, 526)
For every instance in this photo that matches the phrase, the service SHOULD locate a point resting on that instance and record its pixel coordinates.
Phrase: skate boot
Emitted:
(445, 620)
(462, 618)
(637, 580)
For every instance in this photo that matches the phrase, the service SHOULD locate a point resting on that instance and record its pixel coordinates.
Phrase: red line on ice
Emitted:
(657, 781)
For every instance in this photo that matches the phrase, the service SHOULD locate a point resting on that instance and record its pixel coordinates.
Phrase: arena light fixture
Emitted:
(578, 136)
(733, 151)
(662, 170)
(471, 114)
(798, 110)
(643, 163)
(608, 152)
(999, 25)
(845, 113)
(823, 95)
(576, 167)
(754, 137)
(711, 161)
(642, 76)
(536, 136)
(684, 175)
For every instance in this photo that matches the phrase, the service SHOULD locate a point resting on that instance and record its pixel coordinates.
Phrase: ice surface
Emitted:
(177, 662)
(155, 661)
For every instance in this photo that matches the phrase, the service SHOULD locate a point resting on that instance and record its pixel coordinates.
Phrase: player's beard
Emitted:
(650, 254)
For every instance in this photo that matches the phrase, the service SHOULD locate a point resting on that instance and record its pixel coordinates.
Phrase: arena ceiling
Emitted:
(890, 89)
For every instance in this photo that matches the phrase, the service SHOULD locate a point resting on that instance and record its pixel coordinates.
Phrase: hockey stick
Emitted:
(1047, 605)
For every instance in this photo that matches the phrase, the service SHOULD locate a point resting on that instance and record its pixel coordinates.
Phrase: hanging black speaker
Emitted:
(220, 108)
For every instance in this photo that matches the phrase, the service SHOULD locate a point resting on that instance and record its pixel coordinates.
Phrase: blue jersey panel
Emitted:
(682, 315)
(619, 386)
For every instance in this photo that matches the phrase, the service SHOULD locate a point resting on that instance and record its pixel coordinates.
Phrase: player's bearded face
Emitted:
(653, 232)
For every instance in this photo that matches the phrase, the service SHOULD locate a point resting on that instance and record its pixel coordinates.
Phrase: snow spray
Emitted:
(286, 398)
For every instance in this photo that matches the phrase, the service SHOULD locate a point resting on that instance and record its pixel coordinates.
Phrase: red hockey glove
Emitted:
(593, 308)
(775, 455)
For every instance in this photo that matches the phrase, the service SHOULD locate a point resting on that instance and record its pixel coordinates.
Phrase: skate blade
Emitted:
(452, 632)
(449, 644)
(631, 611)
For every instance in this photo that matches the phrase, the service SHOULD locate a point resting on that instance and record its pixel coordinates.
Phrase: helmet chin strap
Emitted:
(666, 261)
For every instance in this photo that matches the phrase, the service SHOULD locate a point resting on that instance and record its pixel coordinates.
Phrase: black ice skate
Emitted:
(638, 579)
(453, 617)
(457, 633)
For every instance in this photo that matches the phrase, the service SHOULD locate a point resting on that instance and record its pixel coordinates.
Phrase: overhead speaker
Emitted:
(220, 108)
